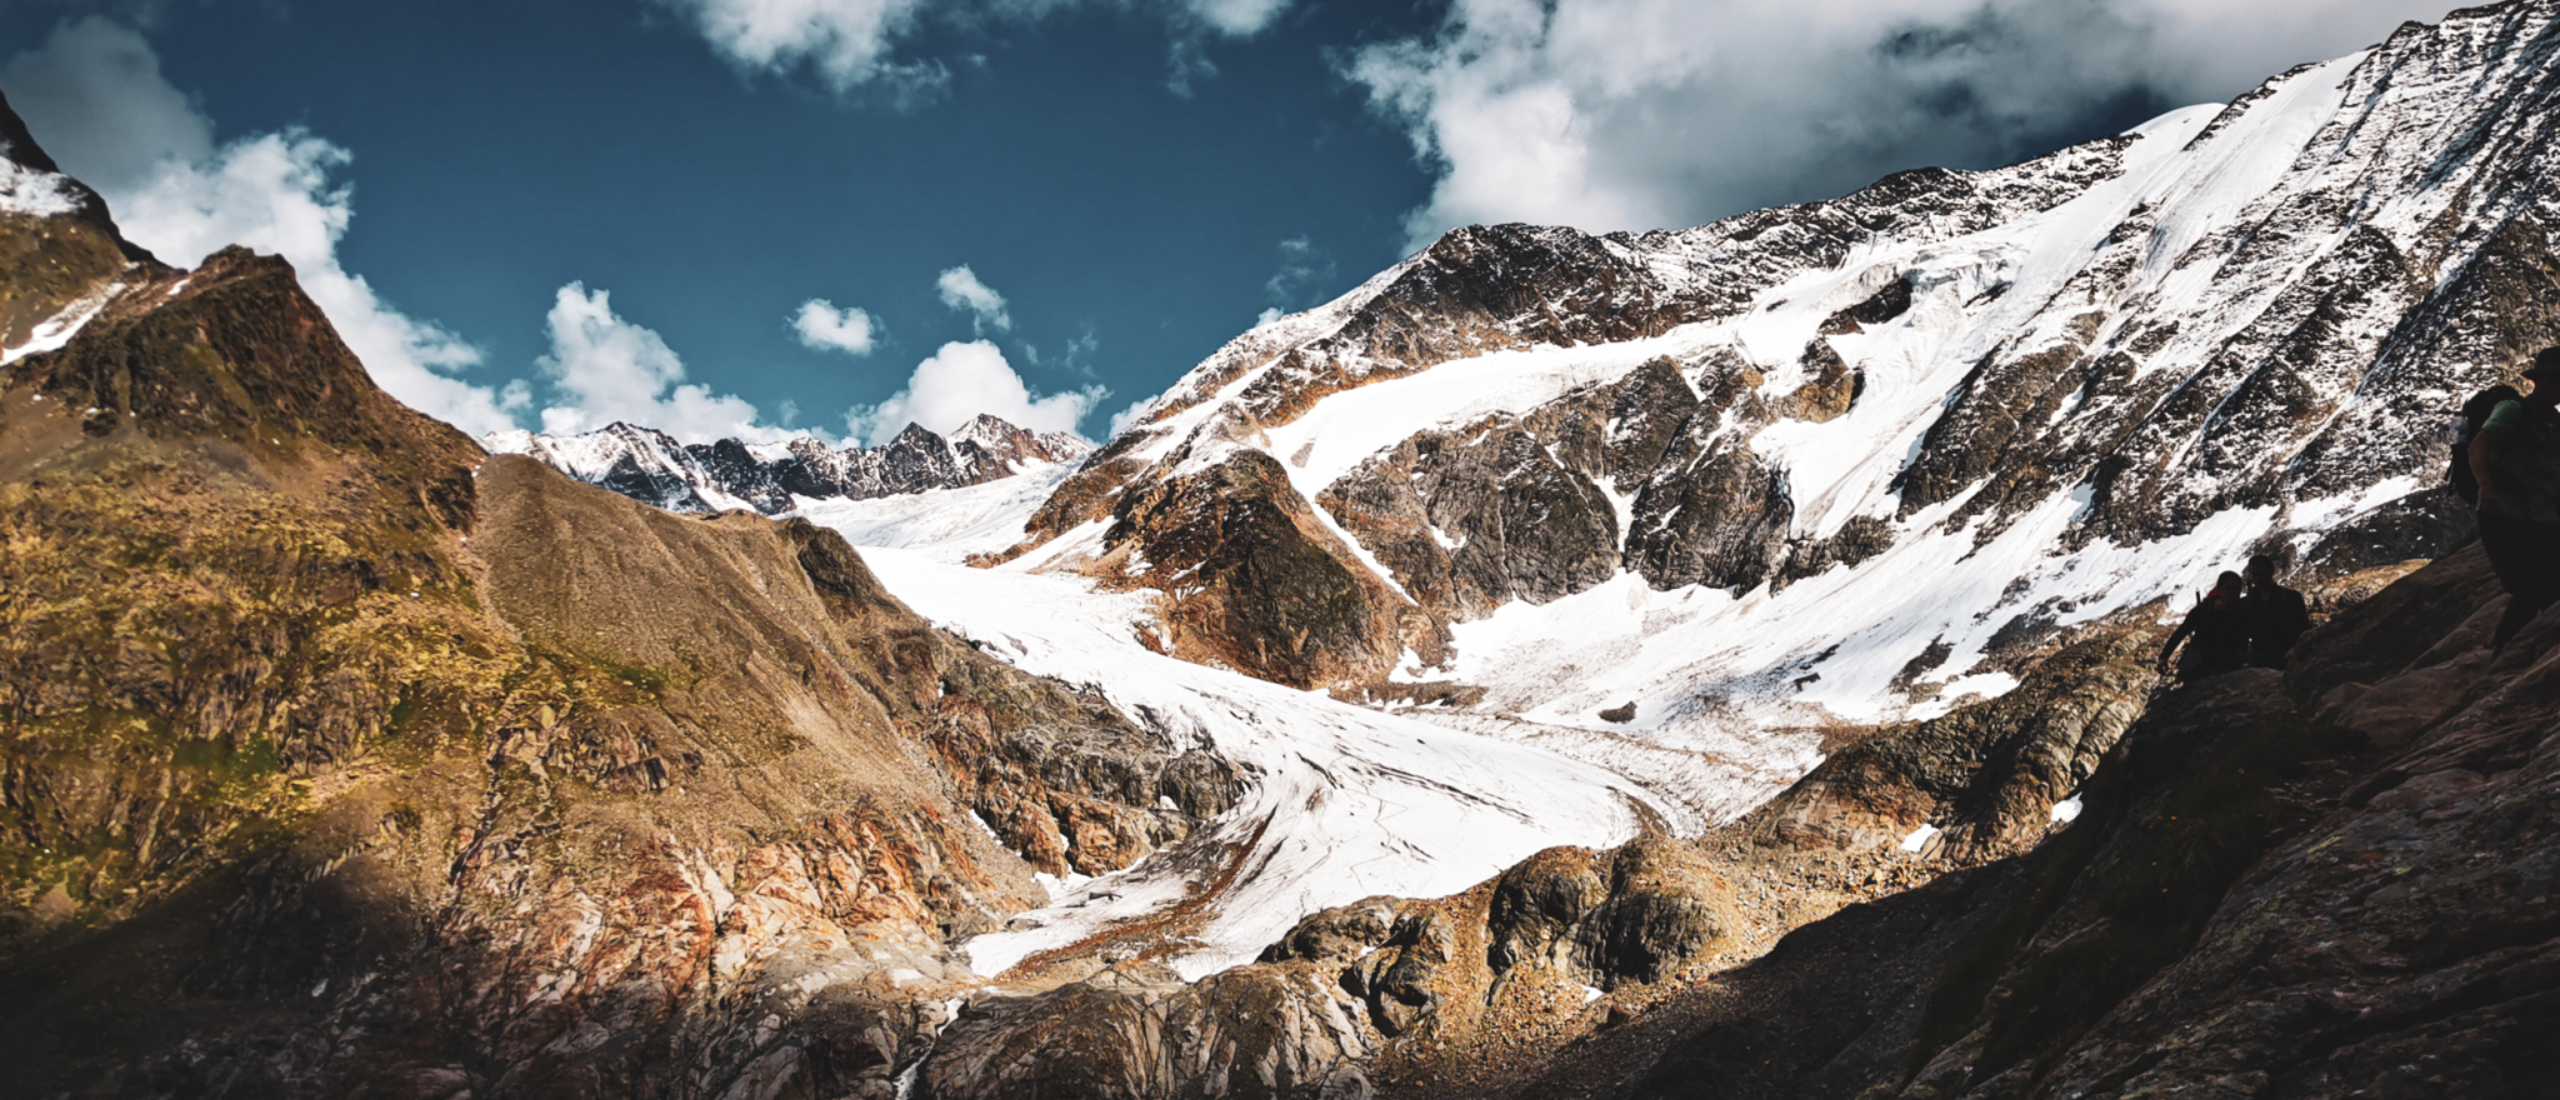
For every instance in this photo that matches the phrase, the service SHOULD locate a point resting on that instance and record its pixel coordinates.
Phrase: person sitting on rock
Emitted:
(2216, 633)
(2276, 615)
(2516, 459)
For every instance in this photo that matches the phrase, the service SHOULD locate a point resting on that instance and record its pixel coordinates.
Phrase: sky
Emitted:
(762, 218)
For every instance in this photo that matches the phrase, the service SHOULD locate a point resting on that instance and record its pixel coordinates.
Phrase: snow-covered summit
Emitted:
(1844, 455)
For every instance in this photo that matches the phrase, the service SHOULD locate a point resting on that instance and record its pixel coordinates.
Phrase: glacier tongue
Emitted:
(1346, 802)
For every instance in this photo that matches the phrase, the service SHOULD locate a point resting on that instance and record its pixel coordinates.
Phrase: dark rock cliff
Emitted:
(2334, 881)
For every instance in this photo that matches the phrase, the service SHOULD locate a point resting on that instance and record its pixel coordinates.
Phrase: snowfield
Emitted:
(1729, 689)
(948, 524)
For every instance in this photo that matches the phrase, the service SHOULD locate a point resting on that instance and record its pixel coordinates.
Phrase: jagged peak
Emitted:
(915, 435)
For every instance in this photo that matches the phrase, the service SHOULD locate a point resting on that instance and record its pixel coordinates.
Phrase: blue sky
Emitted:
(751, 216)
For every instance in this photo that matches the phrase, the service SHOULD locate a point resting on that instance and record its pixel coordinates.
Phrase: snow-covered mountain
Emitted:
(1847, 455)
(651, 466)
(1848, 462)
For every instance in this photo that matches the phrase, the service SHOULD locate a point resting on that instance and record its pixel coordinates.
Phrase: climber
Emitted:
(2467, 428)
(2276, 615)
(2220, 633)
(2516, 459)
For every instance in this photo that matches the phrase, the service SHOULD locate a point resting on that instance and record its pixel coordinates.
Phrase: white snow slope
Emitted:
(1352, 802)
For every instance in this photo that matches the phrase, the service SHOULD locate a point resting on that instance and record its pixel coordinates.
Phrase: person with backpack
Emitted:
(2219, 630)
(2277, 615)
(2475, 411)
(2515, 458)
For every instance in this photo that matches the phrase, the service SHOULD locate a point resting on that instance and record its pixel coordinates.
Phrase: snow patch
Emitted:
(32, 192)
(57, 330)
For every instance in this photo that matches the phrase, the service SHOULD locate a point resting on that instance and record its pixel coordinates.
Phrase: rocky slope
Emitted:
(2334, 881)
(2238, 327)
(650, 466)
(342, 759)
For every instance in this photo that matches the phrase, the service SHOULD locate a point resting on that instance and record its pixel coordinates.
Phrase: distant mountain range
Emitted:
(651, 466)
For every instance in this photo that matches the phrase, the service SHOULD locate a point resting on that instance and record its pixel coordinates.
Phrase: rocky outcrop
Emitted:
(650, 466)
(1379, 989)
(2331, 881)
(1253, 580)
(1981, 781)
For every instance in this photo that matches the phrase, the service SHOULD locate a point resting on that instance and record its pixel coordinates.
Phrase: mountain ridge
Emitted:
(652, 467)
(2239, 316)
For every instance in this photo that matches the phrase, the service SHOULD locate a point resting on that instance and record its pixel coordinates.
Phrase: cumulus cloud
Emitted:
(94, 97)
(822, 326)
(962, 381)
(961, 290)
(609, 369)
(1639, 114)
(846, 44)
(853, 44)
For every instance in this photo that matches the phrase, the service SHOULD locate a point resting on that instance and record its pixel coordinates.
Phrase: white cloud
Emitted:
(853, 44)
(962, 381)
(1640, 114)
(94, 97)
(1236, 17)
(821, 325)
(610, 370)
(845, 43)
(961, 290)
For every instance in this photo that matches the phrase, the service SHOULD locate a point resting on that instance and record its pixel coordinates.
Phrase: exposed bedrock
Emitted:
(1253, 580)
(1986, 776)
(1379, 986)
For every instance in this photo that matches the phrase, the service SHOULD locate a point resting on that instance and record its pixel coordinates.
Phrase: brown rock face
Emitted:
(1384, 986)
(1252, 579)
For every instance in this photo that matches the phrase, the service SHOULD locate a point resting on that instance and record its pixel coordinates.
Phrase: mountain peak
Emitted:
(32, 184)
